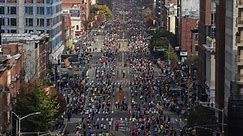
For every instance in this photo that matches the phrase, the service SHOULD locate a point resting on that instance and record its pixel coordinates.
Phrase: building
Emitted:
(11, 71)
(194, 48)
(172, 16)
(190, 7)
(206, 27)
(209, 49)
(171, 1)
(36, 53)
(220, 53)
(66, 29)
(38, 16)
(233, 83)
(161, 14)
(172, 24)
(187, 24)
(74, 9)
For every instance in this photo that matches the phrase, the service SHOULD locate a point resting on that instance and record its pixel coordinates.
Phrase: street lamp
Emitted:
(222, 117)
(21, 118)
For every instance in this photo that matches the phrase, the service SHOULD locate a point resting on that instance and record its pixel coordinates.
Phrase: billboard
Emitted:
(74, 13)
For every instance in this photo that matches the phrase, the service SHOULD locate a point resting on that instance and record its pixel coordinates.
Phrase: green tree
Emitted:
(172, 56)
(164, 40)
(202, 117)
(35, 99)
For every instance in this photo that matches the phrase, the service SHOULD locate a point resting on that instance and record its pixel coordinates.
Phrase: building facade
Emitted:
(206, 27)
(161, 12)
(76, 21)
(66, 29)
(209, 49)
(36, 53)
(233, 88)
(188, 24)
(37, 16)
(11, 71)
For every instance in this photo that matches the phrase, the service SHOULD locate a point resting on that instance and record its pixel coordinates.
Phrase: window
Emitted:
(28, 1)
(29, 21)
(40, 22)
(49, 11)
(48, 22)
(49, 1)
(58, 8)
(13, 10)
(2, 21)
(40, 1)
(40, 10)
(40, 31)
(13, 31)
(77, 27)
(2, 10)
(29, 10)
(2, 1)
(49, 32)
(11, 1)
(12, 22)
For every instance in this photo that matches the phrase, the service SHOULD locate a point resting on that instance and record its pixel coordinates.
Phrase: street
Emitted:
(125, 92)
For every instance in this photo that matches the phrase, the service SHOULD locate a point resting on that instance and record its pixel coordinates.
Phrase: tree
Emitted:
(164, 40)
(149, 17)
(34, 98)
(202, 117)
(102, 9)
(173, 58)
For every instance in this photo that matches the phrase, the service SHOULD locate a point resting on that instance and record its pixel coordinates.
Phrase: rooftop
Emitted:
(9, 38)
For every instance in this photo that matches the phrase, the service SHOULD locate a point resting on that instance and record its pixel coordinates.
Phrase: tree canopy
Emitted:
(103, 9)
(149, 17)
(162, 39)
(35, 98)
(202, 117)
(161, 33)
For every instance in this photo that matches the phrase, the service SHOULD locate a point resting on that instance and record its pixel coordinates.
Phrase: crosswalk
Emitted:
(124, 126)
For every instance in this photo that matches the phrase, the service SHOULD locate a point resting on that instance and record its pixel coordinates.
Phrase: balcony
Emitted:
(240, 79)
(240, 3)
(239, 22)
(240, 43)
(240, 61)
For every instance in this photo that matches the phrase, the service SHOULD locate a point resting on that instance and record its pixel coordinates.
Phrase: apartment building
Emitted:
(11, 71)
(206, 28)
(74, 10)
(66, 29)
(161, 13)
(36, 53)
(37, 16)
(233, 87)
(188, 24)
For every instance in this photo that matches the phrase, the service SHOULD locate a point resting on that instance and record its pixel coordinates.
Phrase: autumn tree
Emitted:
(35, 98)
(99, 8)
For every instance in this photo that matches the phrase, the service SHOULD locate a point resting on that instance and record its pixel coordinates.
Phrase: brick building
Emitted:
(187, 24)
(36, 53)
(66, 28)
(11, 72)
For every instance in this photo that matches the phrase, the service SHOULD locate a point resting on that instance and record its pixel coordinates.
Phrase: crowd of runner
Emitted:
(154, 108)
